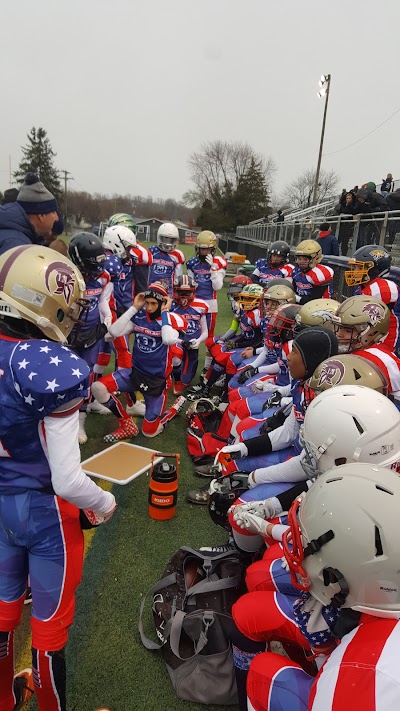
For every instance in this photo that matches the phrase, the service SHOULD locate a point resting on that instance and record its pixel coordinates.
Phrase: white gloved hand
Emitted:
(107, 322)
(209, 259)
(269, 387)
(285, 565)
(257, 387)
(194, 344)
(239, 449)
(250, 522)
(96, 518)
(268, 508)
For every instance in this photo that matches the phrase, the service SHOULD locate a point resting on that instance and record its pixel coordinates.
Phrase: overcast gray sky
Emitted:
(127, 89)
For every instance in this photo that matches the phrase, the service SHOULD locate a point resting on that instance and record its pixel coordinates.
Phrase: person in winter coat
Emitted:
(30, 219)
(327, 241)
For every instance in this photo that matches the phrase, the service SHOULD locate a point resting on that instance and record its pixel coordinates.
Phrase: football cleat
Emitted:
(178, 387)
(225, 548)
(138, 409)
(98, 409)
(178, 404)
(23, 688)
(126, 429)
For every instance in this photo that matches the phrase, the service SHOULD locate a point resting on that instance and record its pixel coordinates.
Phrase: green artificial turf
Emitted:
(107, 664)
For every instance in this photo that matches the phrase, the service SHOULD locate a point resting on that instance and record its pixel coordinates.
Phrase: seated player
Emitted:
(156, 332)
(194, 312)
(311, 280)
(275, 265)
(167, 260)
(368, 271)
(44, 494)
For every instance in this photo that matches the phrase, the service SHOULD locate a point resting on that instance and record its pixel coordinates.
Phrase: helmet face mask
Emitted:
(360, 321)
(167, 237)
(281, 324)
(278, 254)
(368, 263)
(55, 288)
(184, 290)
(236, 286)
(250, 297)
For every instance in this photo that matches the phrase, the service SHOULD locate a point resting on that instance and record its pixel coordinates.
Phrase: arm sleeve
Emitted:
(67, 476)
(271, 369)
(169, 334)
(123, 325)
(217, 279)
(291, 470)
(104, 302)
(204, 329)
(287, 497)
(284, 436)
(190, 273)
(178, 271)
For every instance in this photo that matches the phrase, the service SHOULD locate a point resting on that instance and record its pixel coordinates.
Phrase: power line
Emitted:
(362, 138)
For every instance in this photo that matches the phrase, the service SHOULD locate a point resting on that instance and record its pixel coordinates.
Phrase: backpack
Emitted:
(202, 439)
(191, 607)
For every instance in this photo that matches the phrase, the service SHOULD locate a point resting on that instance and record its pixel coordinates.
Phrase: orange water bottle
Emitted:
(163, 487)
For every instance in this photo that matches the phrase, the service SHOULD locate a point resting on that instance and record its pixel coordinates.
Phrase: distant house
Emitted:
(147, 228)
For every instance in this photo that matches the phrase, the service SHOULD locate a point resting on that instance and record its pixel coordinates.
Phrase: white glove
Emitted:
(251, 522)
(96, 518)
(209, 259)
(194, 344)
(107, 322)
(269, 508)
(285, 565)
(239, 449)
(269, 387)
(257, 387)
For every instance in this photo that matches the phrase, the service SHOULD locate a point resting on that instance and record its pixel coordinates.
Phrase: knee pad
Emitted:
(100, 392)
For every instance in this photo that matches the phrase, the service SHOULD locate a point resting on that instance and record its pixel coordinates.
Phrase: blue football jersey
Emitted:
(164, 265)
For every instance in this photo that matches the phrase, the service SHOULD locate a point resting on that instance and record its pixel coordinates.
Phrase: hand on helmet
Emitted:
(138, 301)
(166, 305)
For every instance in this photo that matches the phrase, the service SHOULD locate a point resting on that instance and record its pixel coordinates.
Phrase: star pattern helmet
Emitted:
(318, 312)
(342, 543)
(281, 324)
(118, 240)
(236, 286)
(366, 319)
(281, 249)
(275, 296)
(350, 423)
(41, 287)
(122, 218)
(184, 290)
(223, 493)
(250, 297)
(167, 237)
(205, 240)
(367, 263)
(344, 370)
(87, 253)
(311, 249)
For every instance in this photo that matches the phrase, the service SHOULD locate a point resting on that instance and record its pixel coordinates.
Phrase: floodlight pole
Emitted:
(321, 145)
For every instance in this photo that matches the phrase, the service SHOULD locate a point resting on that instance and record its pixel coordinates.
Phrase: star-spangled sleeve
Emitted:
(47, 375)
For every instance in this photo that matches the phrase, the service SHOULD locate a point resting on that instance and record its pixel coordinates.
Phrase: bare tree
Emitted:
(219, 166)
(298, 194)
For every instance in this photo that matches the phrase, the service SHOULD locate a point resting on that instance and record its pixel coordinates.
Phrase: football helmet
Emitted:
(250, 297)
(344, 369)
(184, 290)
(311, 249)
(87, 253)
(167, 237)
(202, 406)
(275, 296)
(281, 324)
(281, 249)
(118, 240)
(122, 218)
(205, 240)
(350, 423)
(366, 320)
(236, 286)
(342, 543)
(223, 492)
(367, 263)
(42, 287)
(318, 312)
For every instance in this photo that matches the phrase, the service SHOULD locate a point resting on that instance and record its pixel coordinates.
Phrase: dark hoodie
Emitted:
(15, 228)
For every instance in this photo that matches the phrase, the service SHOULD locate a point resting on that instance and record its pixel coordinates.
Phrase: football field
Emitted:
(107, 665)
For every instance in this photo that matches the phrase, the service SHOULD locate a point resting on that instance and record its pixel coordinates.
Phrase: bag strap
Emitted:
(169, 580)
(206, 586)
(176, 632)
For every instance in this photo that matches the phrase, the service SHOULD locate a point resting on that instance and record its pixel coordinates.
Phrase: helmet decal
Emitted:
(377, 253)
(64, 278)
(332, 372)
(376, 312)
(323, 314)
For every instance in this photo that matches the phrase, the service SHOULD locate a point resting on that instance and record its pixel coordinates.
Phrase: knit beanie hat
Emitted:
(34, 198)
(156, 291)
(315, 344)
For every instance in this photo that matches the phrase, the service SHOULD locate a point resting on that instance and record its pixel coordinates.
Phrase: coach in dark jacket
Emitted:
(327, 241)
(30, 219)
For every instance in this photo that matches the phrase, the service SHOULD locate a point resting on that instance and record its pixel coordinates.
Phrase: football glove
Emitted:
(92, 519)
(246, 374)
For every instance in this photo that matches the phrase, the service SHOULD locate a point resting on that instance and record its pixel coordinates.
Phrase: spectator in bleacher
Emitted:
(347, 205)
(393, 203)
(10, 195)
(327, 241)
(387, 184)
(280, 217)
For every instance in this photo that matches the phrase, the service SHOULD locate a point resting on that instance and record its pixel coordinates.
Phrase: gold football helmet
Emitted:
(366, 320)
(206, 240)
(42, 287)
(311, 249)
(277, 295)
(250, 297)
(346, 369)
(318, 312)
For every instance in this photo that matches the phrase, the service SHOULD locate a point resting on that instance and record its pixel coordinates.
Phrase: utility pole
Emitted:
(9, 171)
(325, 85)
(66, 174)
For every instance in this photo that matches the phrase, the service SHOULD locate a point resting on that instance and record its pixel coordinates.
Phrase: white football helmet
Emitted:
(343, 540)
(118, 240)
(167, 237)
(350, 423)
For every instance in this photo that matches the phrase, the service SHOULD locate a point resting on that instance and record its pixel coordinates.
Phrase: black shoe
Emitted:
(198, 496)
(23, 688)
(224, 548)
